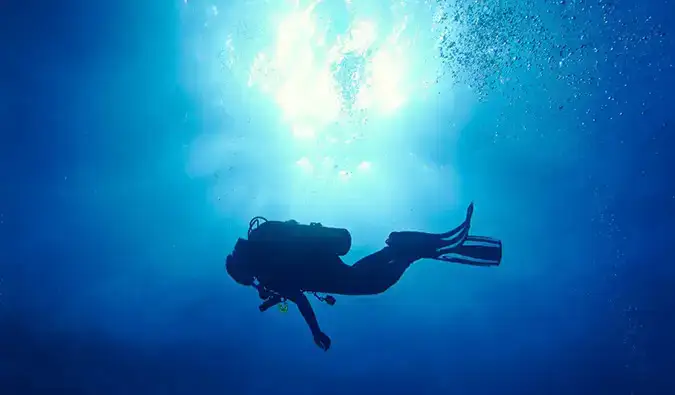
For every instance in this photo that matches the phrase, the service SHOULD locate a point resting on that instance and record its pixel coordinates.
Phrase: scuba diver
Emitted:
(285, 260)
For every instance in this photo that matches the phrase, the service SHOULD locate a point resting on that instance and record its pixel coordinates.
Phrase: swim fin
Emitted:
(474, 250)
(426, 244)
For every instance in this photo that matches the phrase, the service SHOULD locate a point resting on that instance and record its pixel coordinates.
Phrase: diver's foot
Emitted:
(413, 240)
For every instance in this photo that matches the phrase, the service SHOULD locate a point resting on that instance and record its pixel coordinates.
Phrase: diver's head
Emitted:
(236, 266)
(238, 271)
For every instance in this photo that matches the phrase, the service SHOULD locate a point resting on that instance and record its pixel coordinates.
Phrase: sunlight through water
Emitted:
(335, 93)
(329, 87)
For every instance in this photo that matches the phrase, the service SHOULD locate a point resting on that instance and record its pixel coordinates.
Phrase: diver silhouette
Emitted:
(285, 260)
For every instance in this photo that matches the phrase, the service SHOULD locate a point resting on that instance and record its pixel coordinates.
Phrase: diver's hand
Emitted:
(322, 340)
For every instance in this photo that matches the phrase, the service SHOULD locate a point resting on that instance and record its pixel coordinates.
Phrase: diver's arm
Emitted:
(320, 338)
(307, 312)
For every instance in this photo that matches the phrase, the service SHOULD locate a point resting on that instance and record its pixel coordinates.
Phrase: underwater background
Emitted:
(139, 138)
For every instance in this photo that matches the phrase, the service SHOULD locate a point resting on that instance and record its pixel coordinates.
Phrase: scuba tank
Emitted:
(291, 235)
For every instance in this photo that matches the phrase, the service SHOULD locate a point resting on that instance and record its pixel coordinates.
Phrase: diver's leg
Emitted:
(377, 272)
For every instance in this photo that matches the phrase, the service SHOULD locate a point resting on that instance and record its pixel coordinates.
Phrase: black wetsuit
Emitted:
(289, 273)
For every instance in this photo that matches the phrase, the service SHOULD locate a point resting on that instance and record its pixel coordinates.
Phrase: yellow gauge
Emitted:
(283, 307)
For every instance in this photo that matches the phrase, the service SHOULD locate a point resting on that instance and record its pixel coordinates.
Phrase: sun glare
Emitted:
(322, 83)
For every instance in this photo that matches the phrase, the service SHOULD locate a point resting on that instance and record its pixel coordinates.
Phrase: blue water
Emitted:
(134, 152)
